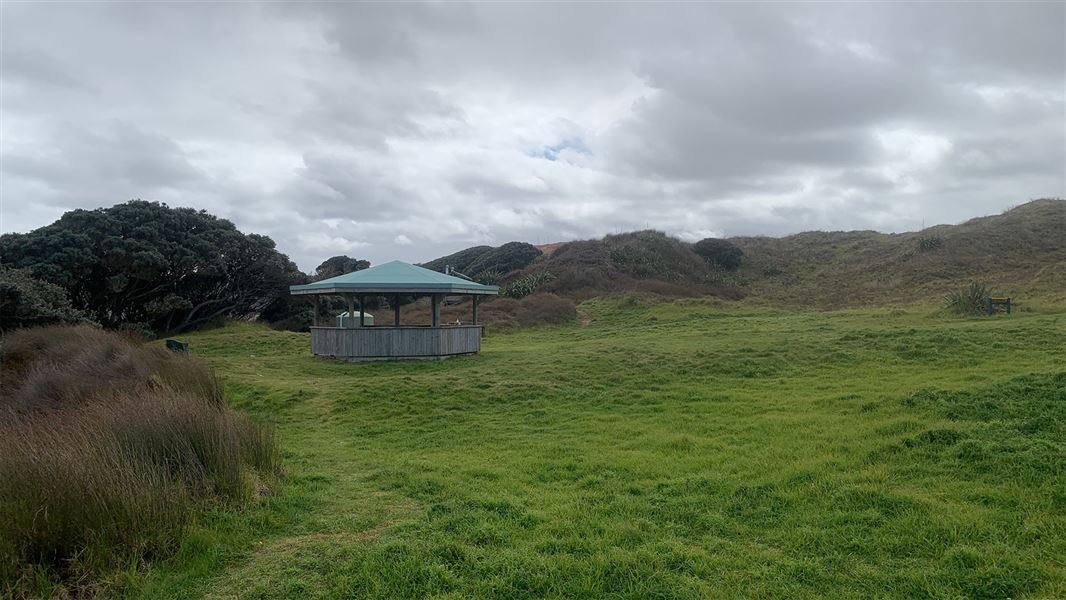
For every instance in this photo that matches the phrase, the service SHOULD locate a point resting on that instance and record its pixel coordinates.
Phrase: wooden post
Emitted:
(476, 298)
(362, 311)
(396, 310)
(350, 322)
(435, 299)
(314, 312)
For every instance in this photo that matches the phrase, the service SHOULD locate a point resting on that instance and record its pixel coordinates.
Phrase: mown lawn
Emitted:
(680, 450)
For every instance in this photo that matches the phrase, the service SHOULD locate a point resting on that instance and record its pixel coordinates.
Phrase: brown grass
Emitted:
(1021, 253)
(496, 313)
(107, 446)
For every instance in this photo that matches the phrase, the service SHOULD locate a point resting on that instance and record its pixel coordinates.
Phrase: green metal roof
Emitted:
(396, 277)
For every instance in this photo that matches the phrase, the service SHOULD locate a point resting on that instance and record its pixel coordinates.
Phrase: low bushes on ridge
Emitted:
(721, 253)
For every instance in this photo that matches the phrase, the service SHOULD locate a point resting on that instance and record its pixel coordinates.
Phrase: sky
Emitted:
(408, 131)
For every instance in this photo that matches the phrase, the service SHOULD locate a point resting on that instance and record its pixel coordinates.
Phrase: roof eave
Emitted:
(299, 290)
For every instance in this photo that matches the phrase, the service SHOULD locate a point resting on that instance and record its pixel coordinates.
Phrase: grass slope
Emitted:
(1021, 252)
(677, 450)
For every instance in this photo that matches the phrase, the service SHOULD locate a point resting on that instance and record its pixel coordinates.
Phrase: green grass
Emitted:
(679, 450)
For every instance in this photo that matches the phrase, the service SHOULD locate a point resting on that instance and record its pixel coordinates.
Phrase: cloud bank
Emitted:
(412, 130)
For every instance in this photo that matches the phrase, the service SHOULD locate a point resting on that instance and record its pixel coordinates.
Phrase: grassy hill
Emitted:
(690, 449)
(1021, 253)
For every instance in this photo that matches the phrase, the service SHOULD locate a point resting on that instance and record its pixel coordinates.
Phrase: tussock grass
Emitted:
(107, 447)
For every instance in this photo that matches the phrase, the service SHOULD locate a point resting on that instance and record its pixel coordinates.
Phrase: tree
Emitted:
(510, 257)
(721, 253)
(171, 269)
(486, 264)
(28, 302)
(293, 313)
(339, 265)
(460, 261)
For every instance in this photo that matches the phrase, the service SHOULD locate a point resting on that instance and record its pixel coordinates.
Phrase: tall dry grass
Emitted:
(107, 446)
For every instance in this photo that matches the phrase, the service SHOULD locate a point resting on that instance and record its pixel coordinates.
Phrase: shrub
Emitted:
(460, 261)
(641, 260)
(582, 267)
(646, 261)
(721, 253)
(526, 285)
(339, 265)
(301, 323)
(491, 277)
(512, 256)
(930, 243)
(27, 302)
(107, 446)
(972, 300)
(290, 313)
(654, 255)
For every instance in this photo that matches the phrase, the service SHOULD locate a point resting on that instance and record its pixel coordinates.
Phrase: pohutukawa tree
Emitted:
(144, 263)
(339, 265)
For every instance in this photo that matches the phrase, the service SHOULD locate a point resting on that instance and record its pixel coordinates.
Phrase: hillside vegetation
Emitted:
(1021, 253)
(689, 449)
(486, 264)
(150, 268)
(647, 261)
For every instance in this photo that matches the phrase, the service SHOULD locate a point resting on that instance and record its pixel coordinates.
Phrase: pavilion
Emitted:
(360, 341)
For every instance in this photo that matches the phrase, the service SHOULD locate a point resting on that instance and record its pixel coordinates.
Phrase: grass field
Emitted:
(677, 450)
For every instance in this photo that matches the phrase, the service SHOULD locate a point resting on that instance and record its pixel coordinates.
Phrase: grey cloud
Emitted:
(473, 185)
(336, 187)
(114, 158)
(997, 41)
(34, 66)
(678, 138)
(369, 115)
(349, 125)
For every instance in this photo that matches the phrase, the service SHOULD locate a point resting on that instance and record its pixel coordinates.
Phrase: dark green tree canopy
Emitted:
(651, 254)
(339, 265)
(721, 253)
(491, 266)
(486, 264)
(169, 269)
(460, 261)
(28, 302)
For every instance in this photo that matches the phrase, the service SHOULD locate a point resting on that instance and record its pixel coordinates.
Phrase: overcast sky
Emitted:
(411, 130)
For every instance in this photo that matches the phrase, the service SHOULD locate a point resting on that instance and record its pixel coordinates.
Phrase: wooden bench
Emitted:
(177, 346)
